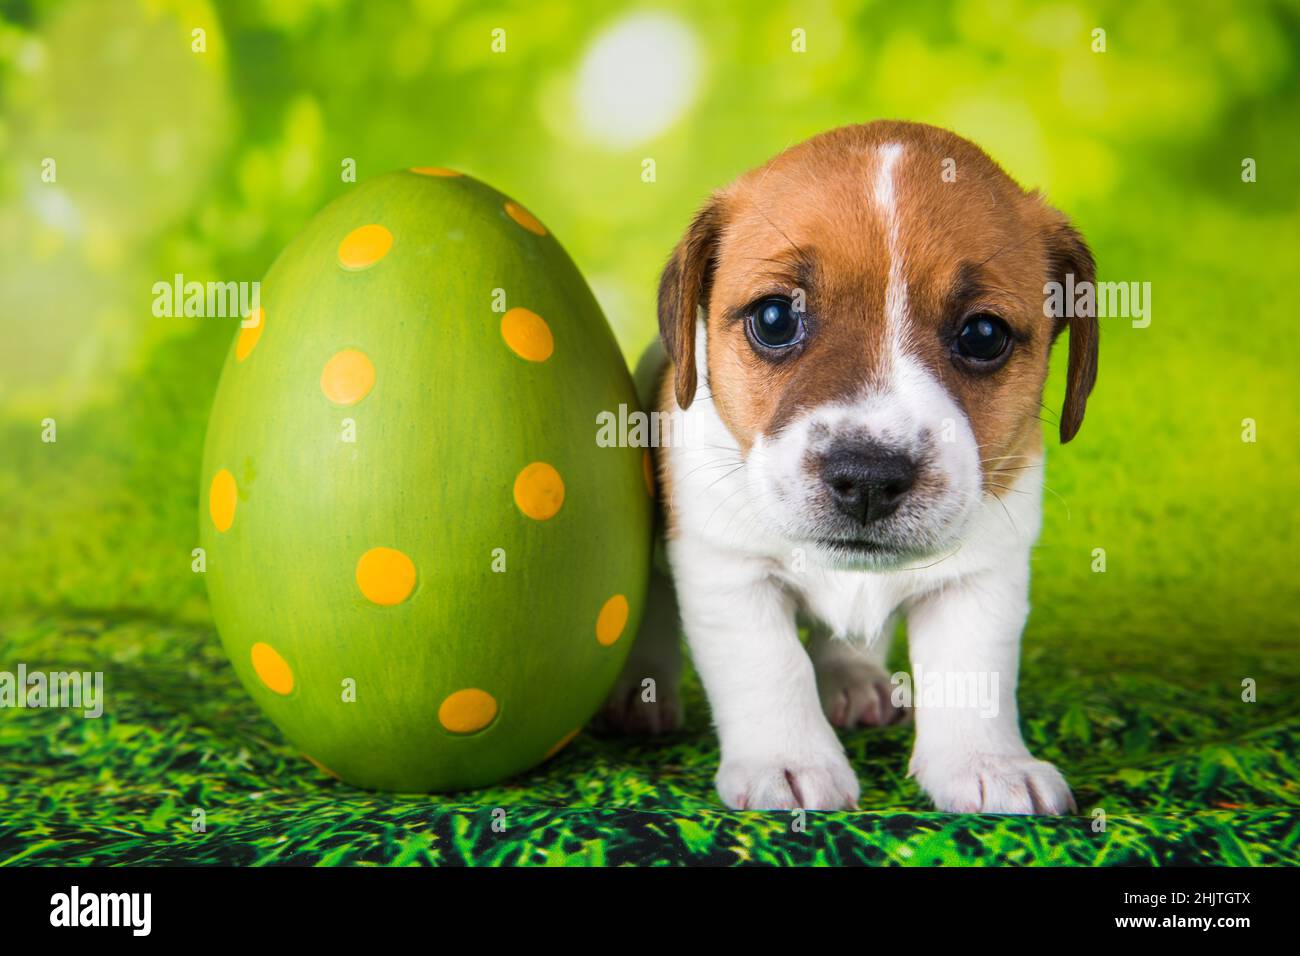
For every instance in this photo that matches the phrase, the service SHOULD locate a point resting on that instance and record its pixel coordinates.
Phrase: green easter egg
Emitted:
(423, 566)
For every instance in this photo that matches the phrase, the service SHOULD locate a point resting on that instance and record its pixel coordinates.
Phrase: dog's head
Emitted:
(876, 338)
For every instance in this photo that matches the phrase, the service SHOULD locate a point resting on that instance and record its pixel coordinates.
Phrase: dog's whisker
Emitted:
(712, 465)
(985, 461)
(1005, 510)
(725, 476)
(722, 503)
(1060, 499)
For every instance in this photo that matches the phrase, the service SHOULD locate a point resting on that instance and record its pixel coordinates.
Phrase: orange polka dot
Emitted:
(348, 377)
(527, 334)
(561, 743)
(222, 498)
(539, 491)
(467, 710)
(386, 576)
(321, 767)
(249, 334)
(434, 171)
(611, 620)
(272, 669)
(648, 472)
(363, 247)
(525, 218)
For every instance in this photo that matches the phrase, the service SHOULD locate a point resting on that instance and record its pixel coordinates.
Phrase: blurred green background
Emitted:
(169, 160)
(207, 163)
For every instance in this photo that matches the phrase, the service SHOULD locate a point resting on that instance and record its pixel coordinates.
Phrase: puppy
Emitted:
(858, 345)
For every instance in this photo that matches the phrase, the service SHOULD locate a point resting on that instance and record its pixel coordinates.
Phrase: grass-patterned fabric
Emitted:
(1163, 775)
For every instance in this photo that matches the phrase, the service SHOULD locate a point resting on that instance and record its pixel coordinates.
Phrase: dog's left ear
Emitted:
(1069, 255)
(683, 289)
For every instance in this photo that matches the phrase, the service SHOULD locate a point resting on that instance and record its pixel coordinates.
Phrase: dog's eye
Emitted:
(983, 338)
(774, 323)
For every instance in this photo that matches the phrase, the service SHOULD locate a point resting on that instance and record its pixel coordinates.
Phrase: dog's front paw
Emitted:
(857, 694)
(788, 782)
(626, 710)
(993, 783)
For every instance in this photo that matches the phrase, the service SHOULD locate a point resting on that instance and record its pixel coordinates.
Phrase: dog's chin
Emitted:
(866, 554)
(882, 549)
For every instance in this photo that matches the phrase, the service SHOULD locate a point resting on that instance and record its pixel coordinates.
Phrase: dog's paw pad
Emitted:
(994, 783)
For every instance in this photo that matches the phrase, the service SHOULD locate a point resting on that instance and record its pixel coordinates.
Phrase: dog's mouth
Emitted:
(861, 545)
(861, 551)
(870, 553)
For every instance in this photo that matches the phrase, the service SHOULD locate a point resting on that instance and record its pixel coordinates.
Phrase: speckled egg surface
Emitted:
(424, 568)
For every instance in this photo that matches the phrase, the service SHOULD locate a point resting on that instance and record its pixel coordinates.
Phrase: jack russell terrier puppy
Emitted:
(857, 347)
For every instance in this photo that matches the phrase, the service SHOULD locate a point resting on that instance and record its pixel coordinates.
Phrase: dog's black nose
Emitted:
(867, 481)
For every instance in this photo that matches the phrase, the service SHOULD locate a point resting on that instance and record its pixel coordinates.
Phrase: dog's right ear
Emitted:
(683, 288)
(1069, 256)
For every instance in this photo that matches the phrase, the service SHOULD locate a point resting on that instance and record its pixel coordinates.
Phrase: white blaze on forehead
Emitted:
(896, 286)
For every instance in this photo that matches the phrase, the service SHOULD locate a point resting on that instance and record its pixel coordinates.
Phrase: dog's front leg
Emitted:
(778, 750)
(969, 756)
